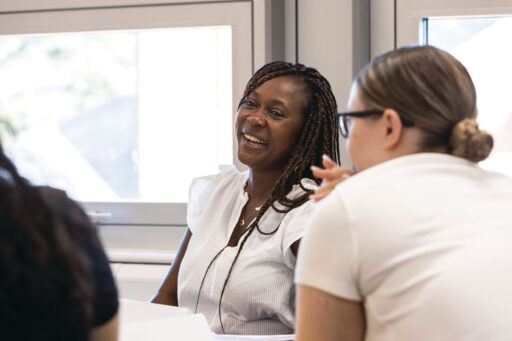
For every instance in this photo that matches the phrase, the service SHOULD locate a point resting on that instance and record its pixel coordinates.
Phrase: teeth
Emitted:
(253, 139)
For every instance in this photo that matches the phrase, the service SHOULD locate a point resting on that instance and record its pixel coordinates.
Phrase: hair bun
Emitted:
(469, 142)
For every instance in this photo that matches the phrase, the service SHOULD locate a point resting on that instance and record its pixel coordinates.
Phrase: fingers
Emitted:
(330, 181)
(325, 188)
(332, 173)
(327, 162)
(320, 173)
(319, 196)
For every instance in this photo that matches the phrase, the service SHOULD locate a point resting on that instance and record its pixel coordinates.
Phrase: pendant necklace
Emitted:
(243, 218)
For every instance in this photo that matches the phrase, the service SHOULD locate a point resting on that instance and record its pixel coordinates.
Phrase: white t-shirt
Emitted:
(425, 242)
(260, 294)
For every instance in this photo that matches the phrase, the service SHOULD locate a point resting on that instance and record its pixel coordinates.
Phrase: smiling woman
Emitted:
(236, 262)
(269, 121)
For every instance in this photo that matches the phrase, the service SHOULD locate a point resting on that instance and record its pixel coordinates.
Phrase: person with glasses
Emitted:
(333, 174)
(416, 244)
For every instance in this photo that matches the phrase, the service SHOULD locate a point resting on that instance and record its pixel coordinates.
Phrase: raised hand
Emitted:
(331, 175)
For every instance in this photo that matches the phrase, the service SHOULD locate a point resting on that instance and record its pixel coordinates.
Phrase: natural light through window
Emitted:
(118, 116)
(482, 44)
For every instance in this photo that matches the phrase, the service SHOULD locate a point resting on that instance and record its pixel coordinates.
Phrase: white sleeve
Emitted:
(294, 228)
(199, 191)
(328, 255)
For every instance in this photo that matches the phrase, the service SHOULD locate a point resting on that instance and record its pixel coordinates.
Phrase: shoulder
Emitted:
(227, 178)
(72, 218)
(211, 190)
(299, 214)
(388, 178)
(294, 223)
(53, 196)
(66, 210)
(84, 237)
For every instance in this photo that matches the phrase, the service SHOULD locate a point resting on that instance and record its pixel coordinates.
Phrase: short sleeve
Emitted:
(202, 190)
(294, 228)
(198, 194)
(328, 255)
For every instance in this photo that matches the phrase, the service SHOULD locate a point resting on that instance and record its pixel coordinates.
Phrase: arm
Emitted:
(321, 316)
(295, 247)
(329, 302)
(168, 291)
(108, 331)
(331, 175)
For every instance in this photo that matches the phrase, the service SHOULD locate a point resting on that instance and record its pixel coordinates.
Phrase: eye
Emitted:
(276, 114)
(248, 102)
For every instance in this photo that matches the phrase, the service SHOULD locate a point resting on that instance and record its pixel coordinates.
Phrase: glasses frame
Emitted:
(342, 117)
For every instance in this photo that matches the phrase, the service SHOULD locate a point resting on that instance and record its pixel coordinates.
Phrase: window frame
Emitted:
(25, 17)
(396, 23)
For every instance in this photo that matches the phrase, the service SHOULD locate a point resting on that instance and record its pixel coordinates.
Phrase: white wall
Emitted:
(333, 37)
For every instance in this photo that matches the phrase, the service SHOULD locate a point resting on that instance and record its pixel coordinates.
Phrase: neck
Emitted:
(260, 183)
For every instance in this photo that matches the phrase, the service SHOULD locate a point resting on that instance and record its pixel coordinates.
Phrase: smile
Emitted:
(253, 139)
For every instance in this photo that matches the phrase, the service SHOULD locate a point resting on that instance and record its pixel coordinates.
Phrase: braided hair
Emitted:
(319, 135)
(44, 277)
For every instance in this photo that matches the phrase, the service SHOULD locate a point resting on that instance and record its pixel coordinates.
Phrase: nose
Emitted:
(257, 118)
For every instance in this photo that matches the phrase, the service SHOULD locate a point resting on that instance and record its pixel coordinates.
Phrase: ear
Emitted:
(394, 129)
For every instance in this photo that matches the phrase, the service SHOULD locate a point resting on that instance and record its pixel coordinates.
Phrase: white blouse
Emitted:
(260, 295)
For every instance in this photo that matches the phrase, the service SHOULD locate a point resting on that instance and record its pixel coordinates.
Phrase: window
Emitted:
(475, 32)
(106, 115)
(478, 43)
(123, 106)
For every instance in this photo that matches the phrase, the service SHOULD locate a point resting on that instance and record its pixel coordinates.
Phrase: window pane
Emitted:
(113, 116)
(480, 43)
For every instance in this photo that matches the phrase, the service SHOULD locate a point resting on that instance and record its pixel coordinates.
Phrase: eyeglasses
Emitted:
(344, 118)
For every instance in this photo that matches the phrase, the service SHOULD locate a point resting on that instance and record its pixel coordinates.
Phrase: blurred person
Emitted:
(55, 280)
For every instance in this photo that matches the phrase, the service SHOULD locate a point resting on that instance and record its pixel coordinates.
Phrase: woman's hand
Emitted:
(331, 175)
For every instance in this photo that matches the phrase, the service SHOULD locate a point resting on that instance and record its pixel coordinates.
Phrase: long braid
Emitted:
(318, 136)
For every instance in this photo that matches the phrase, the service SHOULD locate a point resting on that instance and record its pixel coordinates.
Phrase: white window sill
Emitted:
(140, 256)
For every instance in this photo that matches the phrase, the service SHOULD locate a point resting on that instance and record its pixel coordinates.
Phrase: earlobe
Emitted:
(393, 128)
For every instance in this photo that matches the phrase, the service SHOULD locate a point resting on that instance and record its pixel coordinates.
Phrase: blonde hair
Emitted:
(432, 89)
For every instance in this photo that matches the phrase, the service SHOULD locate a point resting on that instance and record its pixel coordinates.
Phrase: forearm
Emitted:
(165, 297)
(168, 291)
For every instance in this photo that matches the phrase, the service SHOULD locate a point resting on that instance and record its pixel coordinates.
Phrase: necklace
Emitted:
(243, 218)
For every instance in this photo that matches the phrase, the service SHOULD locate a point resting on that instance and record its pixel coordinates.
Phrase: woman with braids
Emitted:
(236, 261)
(416, 246)
(55, 280)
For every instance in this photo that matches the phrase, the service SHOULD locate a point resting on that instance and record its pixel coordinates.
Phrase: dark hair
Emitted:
(432, 89)
(44, 276)
(318, 136)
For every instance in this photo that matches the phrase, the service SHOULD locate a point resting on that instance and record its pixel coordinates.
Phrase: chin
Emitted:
(252, 161)
(245, 159)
